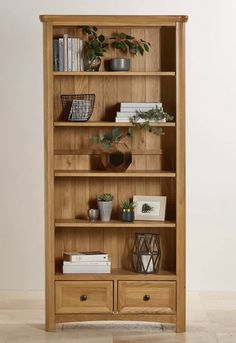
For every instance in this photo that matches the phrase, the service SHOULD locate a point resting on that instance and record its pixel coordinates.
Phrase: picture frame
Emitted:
(148, 207)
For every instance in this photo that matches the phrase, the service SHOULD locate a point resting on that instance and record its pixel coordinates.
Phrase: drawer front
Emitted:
(84, 296)
(146, 297)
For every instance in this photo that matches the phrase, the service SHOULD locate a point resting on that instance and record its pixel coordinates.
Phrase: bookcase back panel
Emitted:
(118, 243)
(74, 149)
(110, 91)
(161, 55)
(73, 196)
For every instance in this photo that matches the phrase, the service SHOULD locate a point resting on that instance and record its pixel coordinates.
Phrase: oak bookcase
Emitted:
(158, 168)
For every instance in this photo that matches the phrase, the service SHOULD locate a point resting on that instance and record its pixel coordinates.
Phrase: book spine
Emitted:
(86, 269)
(141, 104)
(74, 54)
(61, 52)
(126, 114)
(81, 52)
(65, 43)
(56, 54)
(78, 54)
(87, 263)
(134, 109)
(69, 61)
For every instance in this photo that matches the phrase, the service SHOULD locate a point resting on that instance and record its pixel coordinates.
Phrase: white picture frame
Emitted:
(157, 206)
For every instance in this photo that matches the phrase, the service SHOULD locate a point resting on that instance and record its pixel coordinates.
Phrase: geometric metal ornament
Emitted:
(147, 252)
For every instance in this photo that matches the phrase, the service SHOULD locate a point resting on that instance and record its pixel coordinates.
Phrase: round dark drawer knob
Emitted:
(146, 297)
(83, 297)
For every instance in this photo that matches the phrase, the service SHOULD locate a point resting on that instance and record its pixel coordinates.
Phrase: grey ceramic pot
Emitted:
(119, 64)
(105, 208)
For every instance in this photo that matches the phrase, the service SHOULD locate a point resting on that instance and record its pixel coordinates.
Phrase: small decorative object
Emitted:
(95, 47)
(147, 252)
(93, 214)
(77, 107)
(112, 157)
(127, 211)
(105, 206)
(143, 119)
(149, 207)
(120, 64)
(126, 44)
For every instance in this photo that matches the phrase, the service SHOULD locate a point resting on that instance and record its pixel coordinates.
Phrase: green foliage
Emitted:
(111, 138)
(105, 197)
(127, 43)
(128, 205)
(155, 114)
(96, 44)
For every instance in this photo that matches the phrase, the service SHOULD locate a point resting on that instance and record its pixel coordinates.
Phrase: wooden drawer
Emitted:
(146, 297)
(84, 296)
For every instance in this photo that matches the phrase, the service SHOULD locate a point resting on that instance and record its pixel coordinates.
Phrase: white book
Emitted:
(122, 120)
(78, 54)
(81, 53)
(69, 61)
(140, 104)
(87, 263)
(74, 54)
(134, 109)
(85, 256)
(65, 55)
(86, 269)
(125, 114)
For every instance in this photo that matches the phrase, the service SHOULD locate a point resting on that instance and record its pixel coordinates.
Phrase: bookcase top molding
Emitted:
(113, 20)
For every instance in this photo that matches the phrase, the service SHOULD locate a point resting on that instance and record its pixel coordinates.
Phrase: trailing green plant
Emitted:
(127, 205)
(155, 114)
(96, 45)
(126, 43)
(105, 197)
(112, 138)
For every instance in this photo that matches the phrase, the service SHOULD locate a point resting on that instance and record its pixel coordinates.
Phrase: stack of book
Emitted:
(86, 262)
(68, 54)
(128, 110)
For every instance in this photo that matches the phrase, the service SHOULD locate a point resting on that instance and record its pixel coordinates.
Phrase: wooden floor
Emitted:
(211, 318)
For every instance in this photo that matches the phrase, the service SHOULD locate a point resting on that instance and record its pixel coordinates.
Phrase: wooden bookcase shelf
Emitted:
(73, 179)
(136, 173)
(104, 124)
(118, 274)
(117, 73)
(77, 223)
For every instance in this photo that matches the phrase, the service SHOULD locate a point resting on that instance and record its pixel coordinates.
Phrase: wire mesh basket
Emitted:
(77, 107)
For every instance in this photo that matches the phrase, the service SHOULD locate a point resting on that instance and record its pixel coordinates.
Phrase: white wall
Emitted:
(211, 138)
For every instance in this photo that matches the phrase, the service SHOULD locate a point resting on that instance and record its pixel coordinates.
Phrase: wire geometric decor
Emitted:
(147, 252)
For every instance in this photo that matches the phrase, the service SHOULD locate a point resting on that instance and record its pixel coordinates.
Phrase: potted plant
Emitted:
(143, 119)
(113, 158)
(126, 44)
(95, 47)
(105, 206)
(127, 211)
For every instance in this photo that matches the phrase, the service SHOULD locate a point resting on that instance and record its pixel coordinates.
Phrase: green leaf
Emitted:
(101, 38)
(129, 37)
(146, 47)
(95, 28)
(141, 50)
(121, 35)
(116, 133)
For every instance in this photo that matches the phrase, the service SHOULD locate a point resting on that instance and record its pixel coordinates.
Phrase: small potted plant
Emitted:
(127, 211)
(95, 47)
(126, 44)
(112, 156)
(105, 206)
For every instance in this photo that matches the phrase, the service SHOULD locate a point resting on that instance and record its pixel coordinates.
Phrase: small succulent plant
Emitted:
(105, 197)
(128, 205)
